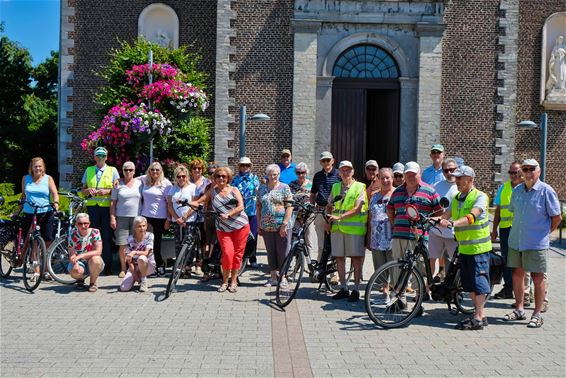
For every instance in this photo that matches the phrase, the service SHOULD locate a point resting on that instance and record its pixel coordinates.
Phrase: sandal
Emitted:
(80, 284)
(535, 322)
(470, 325)
(92, 288)
(233, 288)
(222, 288)
(515, 315)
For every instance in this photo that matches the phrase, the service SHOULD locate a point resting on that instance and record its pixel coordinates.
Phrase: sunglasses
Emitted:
(398, 175)
(181, 176)
(513, 172)
(83, 223)
(435, 152)
(128, 170)
(245, 165)
(371, 169)
(221, 176)
(325, 160)
(529, 169)
(448, 170)
(301, 173)
(197, 168)
(210, 173)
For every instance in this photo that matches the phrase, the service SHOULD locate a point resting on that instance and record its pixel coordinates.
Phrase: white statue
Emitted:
(557, 67)
(162, 39)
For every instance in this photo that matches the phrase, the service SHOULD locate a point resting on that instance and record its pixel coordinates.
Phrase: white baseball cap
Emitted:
(345, 163)
(412, 167)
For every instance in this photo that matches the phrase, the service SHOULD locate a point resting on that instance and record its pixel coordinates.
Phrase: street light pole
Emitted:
(243, 120)
(528, 124)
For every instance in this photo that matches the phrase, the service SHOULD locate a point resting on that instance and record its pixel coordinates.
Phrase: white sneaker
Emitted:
(143, 286)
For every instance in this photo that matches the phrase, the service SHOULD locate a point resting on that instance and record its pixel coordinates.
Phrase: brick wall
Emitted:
(532, 16)
(98, 26)
(264, 77)
(469, 85)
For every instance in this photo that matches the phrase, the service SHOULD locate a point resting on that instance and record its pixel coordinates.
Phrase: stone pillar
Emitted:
(222, 98)
(408, 107)
(323, 118)
(304, 133)
(66, 75)
(430, 74)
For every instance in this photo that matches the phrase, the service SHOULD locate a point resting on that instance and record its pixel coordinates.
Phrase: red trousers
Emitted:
(233, 245)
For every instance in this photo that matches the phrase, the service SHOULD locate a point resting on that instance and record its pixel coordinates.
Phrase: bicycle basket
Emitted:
(8, 232)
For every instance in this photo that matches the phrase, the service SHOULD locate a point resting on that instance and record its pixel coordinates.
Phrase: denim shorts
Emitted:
(84, 265)
(474, 272)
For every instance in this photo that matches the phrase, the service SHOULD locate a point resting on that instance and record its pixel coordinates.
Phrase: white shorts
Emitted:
(437, 246)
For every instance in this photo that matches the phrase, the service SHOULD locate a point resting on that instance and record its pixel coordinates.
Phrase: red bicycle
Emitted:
(20, 250)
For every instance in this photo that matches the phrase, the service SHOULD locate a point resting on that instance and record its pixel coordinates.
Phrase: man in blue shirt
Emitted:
(433, 174)
(536, 211)
(287, 167)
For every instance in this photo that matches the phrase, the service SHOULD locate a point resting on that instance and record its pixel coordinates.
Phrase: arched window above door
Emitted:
(365, 62)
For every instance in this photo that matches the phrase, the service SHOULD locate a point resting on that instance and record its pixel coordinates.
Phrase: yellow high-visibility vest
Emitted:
(475, 238)
(505, 216)
(104, 183)
(354, 225)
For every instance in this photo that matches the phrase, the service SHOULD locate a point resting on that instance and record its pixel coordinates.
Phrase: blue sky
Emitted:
(32, 23)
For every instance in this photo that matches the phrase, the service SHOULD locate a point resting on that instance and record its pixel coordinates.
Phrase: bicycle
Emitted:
(58, 252)
(293, 266)
(18, 251)
(393, 305)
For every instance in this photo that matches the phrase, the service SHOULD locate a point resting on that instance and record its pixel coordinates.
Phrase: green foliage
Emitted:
(128, 55)
(10, 199)
(191, 139)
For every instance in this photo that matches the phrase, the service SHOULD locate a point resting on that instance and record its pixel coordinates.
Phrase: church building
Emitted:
(364, 79)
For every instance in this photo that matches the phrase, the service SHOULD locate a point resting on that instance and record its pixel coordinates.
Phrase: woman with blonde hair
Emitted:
(154, 191)
(197, 168)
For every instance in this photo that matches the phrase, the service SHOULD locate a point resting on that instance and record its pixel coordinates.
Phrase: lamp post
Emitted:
(243, 120)
(528, 124)
(150, 61)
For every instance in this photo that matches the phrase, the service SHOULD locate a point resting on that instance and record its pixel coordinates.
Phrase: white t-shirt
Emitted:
(448, 190)
(177, 194)
(127, 199)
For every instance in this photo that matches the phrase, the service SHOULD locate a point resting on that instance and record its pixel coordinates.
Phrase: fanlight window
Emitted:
(365, 62)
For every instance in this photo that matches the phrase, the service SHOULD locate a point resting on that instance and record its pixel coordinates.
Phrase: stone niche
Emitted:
(553, 65)
(159, 23)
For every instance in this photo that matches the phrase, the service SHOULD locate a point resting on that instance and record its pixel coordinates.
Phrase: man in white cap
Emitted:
(536, 213)
(97, 186)
(248, 185)
(470, 220)
(433, 173)
(398, 178)
(348, 227)
(287, 167)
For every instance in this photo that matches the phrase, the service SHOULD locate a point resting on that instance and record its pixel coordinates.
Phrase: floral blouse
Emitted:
(272, 205)
(85, 244)
(379, 223)
(134, 245)
(300, 192)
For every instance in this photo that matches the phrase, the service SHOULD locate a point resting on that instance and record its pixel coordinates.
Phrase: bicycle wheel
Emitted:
(33, 262)
(58, 261)
(290, 277)
(394, 294)
(462, 300)
(331, 280)
(178, 268)
(6, 254)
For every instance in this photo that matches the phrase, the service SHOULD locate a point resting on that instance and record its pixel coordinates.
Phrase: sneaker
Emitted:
(143, 286)
(161, 271)
(198, 271)
(354, 296)
(122, 274)
(503, 294)
(342, 294)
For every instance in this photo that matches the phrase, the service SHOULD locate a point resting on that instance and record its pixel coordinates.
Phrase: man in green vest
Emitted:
(348, 226)
(471, 227)
(97, 186)
(503, 218)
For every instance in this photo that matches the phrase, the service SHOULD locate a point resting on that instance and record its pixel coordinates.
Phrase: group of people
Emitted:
(368, 214)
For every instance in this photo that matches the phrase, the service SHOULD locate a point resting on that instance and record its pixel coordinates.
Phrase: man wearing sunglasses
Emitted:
(398, 178)
(503, 218)
(536, 213)
(433, 173)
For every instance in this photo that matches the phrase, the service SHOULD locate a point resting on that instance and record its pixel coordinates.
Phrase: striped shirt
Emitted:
(425, 199)
(221, 206)
(322, 185)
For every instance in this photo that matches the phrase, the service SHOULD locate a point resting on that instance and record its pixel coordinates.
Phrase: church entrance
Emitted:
(365, 107)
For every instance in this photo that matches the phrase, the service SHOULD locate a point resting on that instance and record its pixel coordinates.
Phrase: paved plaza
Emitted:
(59, 331)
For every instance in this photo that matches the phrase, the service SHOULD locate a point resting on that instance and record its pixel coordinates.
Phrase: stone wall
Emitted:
(263, 78)
(532, 16)
(469, 81)
(98, 25)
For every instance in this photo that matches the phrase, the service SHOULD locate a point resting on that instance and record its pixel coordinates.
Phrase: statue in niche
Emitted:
(162, 38)
(557, 68)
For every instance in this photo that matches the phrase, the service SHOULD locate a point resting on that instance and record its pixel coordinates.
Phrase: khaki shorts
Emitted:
(345, 245)
(123, 230)
(531, 260)
(437, 245)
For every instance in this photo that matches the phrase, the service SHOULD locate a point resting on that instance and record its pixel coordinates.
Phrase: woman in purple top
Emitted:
(155, 189)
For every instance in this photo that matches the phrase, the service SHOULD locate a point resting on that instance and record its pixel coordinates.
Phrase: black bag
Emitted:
(496, 267)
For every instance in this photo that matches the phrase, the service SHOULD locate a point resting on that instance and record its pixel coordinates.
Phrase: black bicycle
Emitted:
(396, 291)
(292, 270)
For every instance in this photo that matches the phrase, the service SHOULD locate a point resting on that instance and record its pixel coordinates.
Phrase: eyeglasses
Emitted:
(221, 176)
(371, 169)
(181, 176)
(448, 170)
(301, 173)
(513, 172)
(435, 152)
(83, 223)
(398, 175)
(529, 169)
(128, 170)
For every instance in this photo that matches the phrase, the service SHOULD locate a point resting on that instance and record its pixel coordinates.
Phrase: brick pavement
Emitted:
(58, 331)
